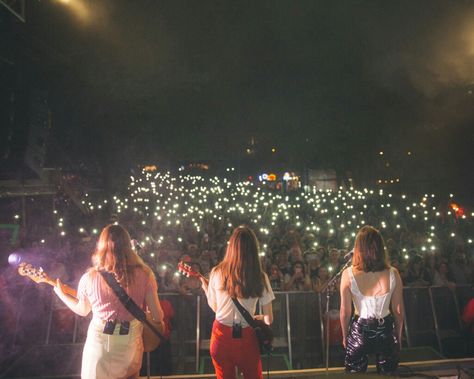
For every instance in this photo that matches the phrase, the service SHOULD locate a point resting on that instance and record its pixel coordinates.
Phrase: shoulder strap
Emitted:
(392, 279)
(244, 312)
(354, 285)
(127, 301)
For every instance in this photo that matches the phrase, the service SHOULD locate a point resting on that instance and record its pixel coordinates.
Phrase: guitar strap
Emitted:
(127, 301)
(250, 320)
(245, 313)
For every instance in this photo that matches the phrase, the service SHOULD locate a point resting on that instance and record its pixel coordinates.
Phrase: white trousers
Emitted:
(112, 356)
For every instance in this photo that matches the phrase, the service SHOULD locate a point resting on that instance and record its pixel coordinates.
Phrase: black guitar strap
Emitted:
(244, 312)
(251, 321)
(127, 301)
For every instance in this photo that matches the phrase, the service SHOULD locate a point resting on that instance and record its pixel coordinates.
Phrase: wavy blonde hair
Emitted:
(114, 253)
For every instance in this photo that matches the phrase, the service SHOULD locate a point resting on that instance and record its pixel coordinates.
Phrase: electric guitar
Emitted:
(263, 331)
(188, 271)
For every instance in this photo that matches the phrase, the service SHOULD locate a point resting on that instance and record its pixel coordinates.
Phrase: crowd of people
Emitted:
(303, 234)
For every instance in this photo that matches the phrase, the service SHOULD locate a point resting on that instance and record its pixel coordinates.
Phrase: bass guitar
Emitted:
(38, 275)
(150, 339)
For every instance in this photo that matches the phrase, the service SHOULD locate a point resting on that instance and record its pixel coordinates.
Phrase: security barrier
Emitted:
(431, 319)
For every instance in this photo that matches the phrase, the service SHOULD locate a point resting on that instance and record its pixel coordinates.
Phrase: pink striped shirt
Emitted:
(105, 304)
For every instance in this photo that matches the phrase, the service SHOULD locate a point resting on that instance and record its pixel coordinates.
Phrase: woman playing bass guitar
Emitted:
(114, 345)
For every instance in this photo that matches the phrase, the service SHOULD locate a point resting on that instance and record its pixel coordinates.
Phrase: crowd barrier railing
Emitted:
(432, 318)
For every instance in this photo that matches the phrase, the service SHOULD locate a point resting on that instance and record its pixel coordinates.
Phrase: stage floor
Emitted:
(63, 362)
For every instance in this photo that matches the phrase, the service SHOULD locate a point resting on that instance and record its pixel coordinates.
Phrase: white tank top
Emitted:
(371, 306)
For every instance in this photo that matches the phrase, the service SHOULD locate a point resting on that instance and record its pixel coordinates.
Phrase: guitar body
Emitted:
(150, 340)
(264, 335)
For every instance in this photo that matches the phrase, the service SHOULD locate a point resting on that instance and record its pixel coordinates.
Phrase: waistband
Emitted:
(219, 324)
(99, 321)
(373, 321)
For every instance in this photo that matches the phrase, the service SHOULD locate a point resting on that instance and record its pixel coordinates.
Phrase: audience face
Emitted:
(334, 256)
(298, 271)
(321, 252)
(323, 273)
(443, 269)
(313, 261)
(192, 250)
(275, 272)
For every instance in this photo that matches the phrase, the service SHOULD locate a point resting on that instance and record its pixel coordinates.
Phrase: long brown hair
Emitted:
(114, 253)
(241, 267)
(369, 251)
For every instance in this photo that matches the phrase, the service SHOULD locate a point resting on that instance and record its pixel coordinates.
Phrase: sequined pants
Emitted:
(371, 336)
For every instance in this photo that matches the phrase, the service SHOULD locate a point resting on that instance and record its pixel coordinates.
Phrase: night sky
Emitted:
(329, 84)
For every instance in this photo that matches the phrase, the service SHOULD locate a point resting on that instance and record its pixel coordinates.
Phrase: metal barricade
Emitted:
(432, 319)
(419, 318)
(303, 313)
(463, 295)
(447, 321)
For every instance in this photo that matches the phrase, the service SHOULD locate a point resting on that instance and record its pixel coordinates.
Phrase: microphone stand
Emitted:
(329, 289)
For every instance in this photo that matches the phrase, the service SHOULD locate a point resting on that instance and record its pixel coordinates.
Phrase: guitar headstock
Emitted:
(187, 270)
(35, 274)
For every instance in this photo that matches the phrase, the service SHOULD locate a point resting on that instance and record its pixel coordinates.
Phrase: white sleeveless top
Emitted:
(371, 306)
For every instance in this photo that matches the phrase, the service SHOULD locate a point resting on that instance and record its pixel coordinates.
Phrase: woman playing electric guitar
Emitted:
(240, 276)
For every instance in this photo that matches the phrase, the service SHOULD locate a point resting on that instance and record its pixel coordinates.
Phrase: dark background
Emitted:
(328, 84)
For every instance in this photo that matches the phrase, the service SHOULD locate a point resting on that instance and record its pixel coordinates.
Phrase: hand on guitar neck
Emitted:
(39, 276)
(188, 271)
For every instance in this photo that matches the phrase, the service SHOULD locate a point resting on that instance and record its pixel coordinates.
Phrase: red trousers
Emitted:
(227, 353)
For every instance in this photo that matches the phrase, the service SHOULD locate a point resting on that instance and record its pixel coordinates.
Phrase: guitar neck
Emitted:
(188, 271)
(39, 276)
(199, 275)
(68, 290)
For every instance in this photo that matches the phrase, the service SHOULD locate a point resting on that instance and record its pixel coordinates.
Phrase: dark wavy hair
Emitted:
(369, 251)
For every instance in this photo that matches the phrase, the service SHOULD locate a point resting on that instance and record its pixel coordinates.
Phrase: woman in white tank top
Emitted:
(376, 291)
